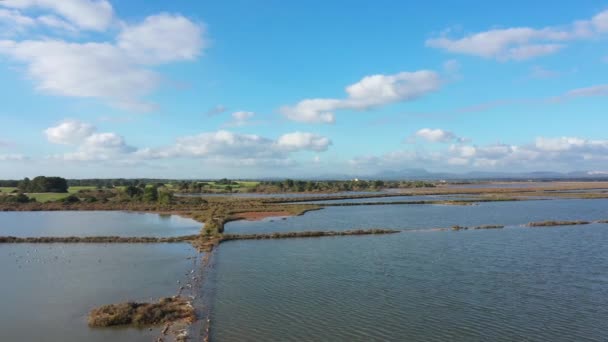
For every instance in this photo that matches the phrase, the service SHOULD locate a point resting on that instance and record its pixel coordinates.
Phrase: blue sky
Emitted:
(96, 88)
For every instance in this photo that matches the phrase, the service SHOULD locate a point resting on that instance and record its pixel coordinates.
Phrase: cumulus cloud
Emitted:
(163, 38)
(89, 70)
(118, 73)
(13, 21)
(100, 146)
(370, 92)
(69, 132)
(303, 141)
(228, 145)
(520, 43)
(436, 135)
(90, 144)
(558, 153)
(96, 15)
(219, 147)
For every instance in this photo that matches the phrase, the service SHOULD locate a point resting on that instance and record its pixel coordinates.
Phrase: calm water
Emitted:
(288, 195)
(430, 216)
(47, 290)
(92, 223)
(514, 284)
(395, 199)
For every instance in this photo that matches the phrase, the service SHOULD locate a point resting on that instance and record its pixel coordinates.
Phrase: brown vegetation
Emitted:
(259, 215)
(556, 223)
(167, 310)
(291, 235)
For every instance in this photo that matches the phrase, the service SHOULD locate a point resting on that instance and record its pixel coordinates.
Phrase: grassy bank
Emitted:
(292, 235)
(557, 223)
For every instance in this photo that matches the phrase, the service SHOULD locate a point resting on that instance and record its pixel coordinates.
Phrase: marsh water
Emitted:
(94, 223)
(48, 290)
(511, 284)
(429, 216)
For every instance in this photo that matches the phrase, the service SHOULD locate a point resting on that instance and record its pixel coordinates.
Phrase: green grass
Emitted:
(51, 196)
(6, 189)
(48, 196)
(75, 189)
(248, 184)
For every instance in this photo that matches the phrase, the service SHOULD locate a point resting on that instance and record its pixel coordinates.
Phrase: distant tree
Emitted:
(44, 184)
(165, 197)
(133, 191)
(70, 199)
(150, 194)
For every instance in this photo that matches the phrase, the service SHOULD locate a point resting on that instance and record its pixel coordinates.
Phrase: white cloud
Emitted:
(303, 141)
(451, 66)
(55, 22)
(228, 145)
(117, 73)
(598, 90)
(600, 21)
(90, 144)
(69, 132)
(13, 157)
(163, 38)
(556, 153)
(437, 135)
(89, 70)
(240, 118)
(15, 20)
(463, 151)
(370, 92)
(100, 146)
(96, 15)
(520, 43)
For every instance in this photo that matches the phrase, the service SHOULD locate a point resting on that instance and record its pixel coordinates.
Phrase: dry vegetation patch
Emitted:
(167, 310)
(557, 223)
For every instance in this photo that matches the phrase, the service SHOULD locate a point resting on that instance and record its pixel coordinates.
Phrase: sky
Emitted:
(250, 89)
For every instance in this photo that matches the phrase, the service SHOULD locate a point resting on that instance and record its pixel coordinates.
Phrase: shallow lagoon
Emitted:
(47, 290)
(513, 284)
(430, 216)
(94, 223)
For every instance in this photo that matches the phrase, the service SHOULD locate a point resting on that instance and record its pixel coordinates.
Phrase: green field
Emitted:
(49, 196)
(75, 189)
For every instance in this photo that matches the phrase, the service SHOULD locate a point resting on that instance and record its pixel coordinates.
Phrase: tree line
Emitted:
(43, 184)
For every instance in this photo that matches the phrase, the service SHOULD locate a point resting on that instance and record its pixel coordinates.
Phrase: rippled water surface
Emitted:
(92, 223)
(47, 290)
(512, 284)
(430, 216)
